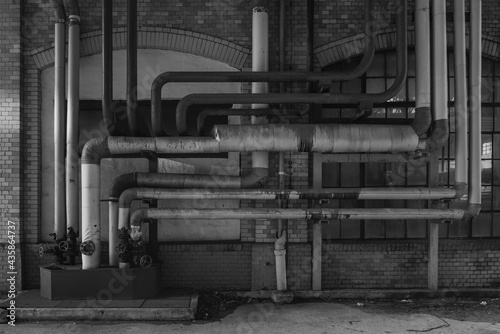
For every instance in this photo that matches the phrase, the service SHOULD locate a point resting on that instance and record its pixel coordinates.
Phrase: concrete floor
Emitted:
(266, 317)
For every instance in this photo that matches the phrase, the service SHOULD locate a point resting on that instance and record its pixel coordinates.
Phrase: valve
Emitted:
(121, 248)
(63, 246)
(87, 247)
(146, 261)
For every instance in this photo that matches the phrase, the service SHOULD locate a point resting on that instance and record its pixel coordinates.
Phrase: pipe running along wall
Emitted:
(59, 119)
(73, 109)
(475, 108)
(324, 77)
(132, 67)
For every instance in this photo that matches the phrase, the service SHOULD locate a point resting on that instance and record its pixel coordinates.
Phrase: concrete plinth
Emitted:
(102, 283)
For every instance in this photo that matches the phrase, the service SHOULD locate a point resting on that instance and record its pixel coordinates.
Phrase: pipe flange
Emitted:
(87, 247)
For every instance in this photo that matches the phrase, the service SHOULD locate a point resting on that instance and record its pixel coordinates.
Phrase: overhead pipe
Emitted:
(72, 134)
(272, 137)
(59, 119)
(306, 214)
(107, 68)
(321, 98)
(461, 115)
(132, 67)
(475, 107)
(273, 76)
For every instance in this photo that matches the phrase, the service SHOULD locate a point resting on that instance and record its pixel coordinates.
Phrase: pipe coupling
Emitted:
(280, 252)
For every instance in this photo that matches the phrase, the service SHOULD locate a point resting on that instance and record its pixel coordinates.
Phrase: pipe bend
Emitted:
(439, 135)
(279, 244)
(256, 179)
(59, 11)
(422, 121)
(126, 197)
(121, 184)
(94, 150)
(472, 212)
(137, 216)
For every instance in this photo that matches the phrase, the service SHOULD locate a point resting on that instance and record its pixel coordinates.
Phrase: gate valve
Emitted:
(87, 247)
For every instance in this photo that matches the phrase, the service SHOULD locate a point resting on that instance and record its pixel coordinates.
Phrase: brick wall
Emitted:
(401, 264)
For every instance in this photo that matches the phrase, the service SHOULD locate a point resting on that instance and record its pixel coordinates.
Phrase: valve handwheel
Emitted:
(41, 251)
(120, 248)
(146, 261)
(63, 246)
(87, 247)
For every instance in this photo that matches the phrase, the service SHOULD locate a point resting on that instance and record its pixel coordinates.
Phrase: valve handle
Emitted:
(87, 247)
(63, 246)
(41, 251)
(146, 261)
(120, 248)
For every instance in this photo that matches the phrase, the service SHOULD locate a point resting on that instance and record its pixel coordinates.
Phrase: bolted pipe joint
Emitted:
(94, 150)
(439, 135)
(59, 10)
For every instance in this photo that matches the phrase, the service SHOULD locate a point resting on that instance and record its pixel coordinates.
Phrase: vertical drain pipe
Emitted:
(132, 67)
(59, 120)
(461, 142)
(475, 107)
(72, 135)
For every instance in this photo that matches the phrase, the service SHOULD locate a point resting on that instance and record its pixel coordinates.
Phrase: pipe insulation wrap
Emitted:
(440, 66)
(91, 227)
(60, 13)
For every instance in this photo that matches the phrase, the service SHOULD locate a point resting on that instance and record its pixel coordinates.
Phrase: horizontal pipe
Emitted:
(200, 125)
(306, 214)
(132, 194)
(263, 76)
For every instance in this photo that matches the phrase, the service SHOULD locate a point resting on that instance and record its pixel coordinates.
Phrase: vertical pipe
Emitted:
(113, 233)
(440, 62)
(281, 168)
(422, 54)
(72, 135)
(107, 67)
(91, 225)
(475, 105)
(59, 131)
(132, 67)
(461, 142)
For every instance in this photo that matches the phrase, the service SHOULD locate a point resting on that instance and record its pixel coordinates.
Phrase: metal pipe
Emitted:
(132, 67)
(293, 98)
(107, 68)
(475, 107)
(226, 112)
(59, 124)
(305, 214)
(461, 115)
(274, 76)
(72, 135)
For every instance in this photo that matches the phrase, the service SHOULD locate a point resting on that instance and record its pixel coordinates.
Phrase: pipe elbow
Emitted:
(126, 197)
(137, 217)
(59, 10)
(256, 179)
(121, 184)
(94, 150)
(472, 212)
(439, 135)
(461, 189)
(74, 11)
(422, 121)
(279, 244)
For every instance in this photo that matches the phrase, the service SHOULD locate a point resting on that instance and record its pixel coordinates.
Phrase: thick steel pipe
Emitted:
(306, 214)
(59, 128)
(73, 109)
(293, 98)
(132, 67)
(475, 106)
(324, 77)
(461, 115)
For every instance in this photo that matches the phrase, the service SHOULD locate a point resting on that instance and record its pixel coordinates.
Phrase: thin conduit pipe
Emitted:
(59, 120)
(475, 107)
(292, 98)
(132, 67)
(461, 115)
(72, 135)
(305, 214)
(274, 76)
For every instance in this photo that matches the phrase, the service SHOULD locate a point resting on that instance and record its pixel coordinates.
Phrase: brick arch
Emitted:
(386, 39)
(155, 38)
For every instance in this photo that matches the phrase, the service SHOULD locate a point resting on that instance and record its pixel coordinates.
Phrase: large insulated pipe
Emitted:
(321, 98)
(475, 107)
(132, 67)
(72, 135)
(305, 214)
(440, 77)
(461, 115)
(422, 55)
(59, 120)
(323, 77)
(107, 68)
